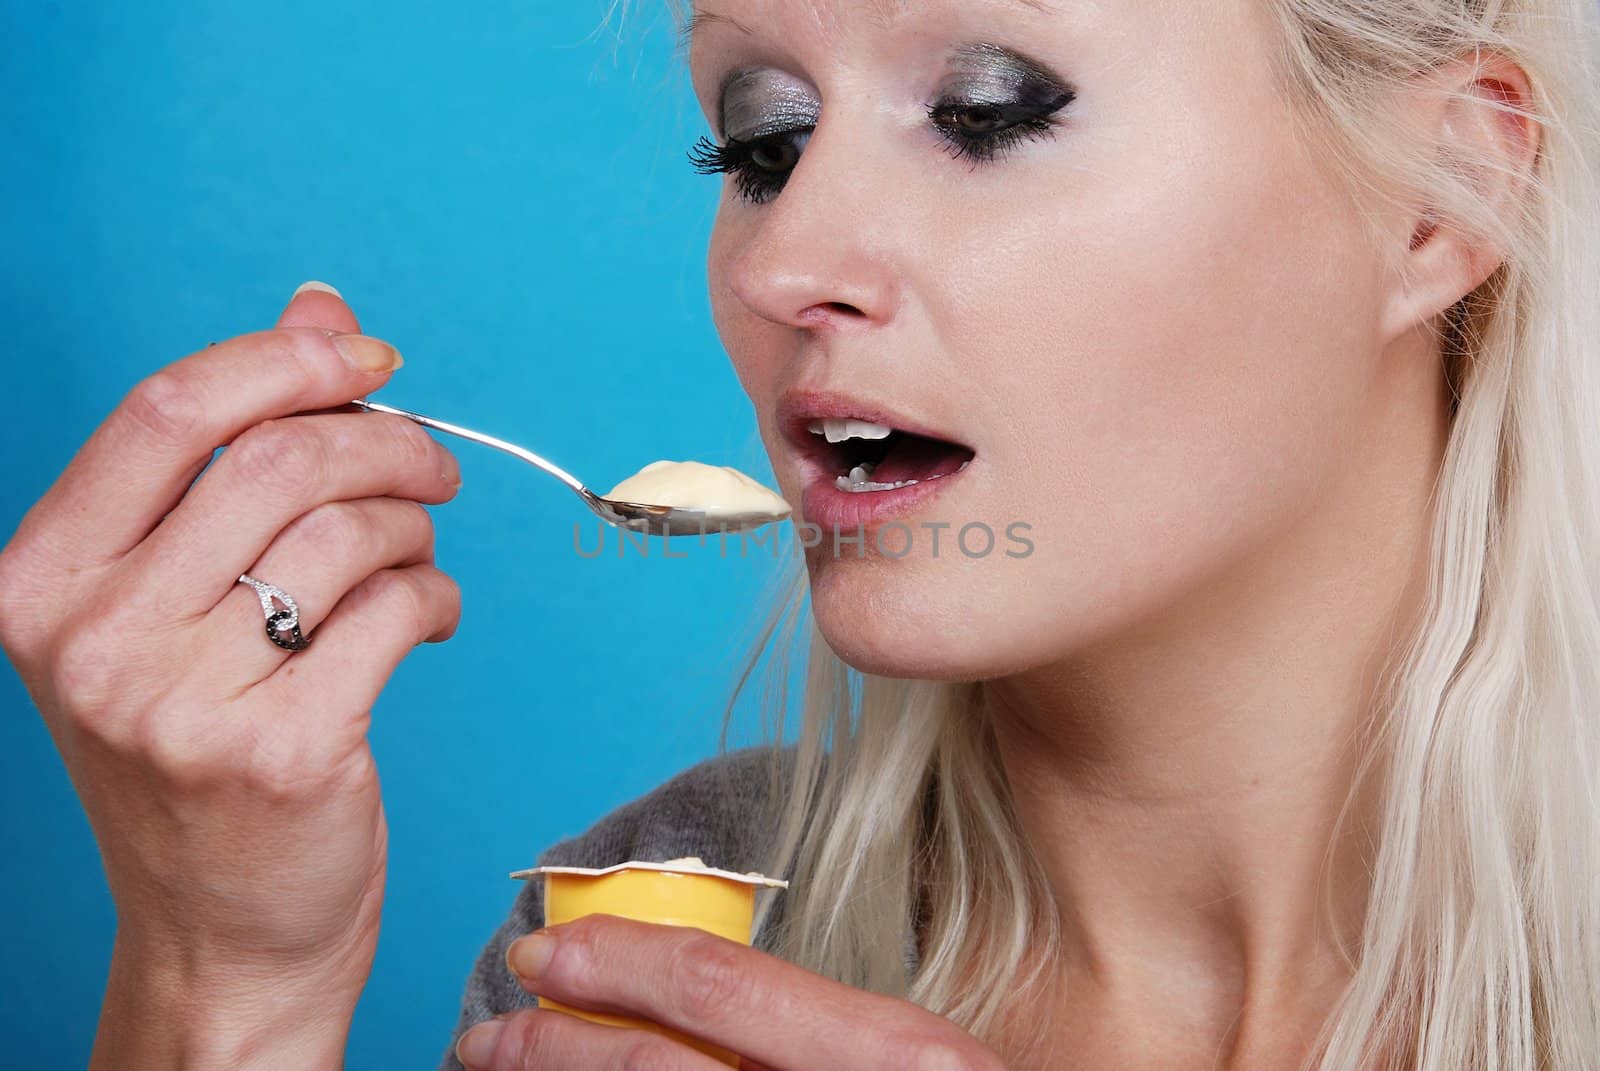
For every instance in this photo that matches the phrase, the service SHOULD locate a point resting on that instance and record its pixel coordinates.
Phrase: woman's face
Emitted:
(1078, 239)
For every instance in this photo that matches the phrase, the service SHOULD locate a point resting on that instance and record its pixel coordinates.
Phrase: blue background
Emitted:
(499, 190)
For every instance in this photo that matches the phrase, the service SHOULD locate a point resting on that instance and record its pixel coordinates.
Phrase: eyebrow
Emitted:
(881, 9)
(693, 23)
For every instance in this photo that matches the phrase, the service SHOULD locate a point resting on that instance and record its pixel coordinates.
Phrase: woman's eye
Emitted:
(769, 157)
(980, 119)
(759, 165)
(982, 130)
(976, 130)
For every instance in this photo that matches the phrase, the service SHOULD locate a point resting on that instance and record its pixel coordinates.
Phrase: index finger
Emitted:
(139, 462)
(738, 997)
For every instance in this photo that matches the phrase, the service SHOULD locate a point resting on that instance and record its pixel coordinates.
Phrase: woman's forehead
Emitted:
(1167, 24)
(744, 15)
(1160, 45)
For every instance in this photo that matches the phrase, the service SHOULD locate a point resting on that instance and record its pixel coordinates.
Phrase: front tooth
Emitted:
(865, 429)
(860, 473)
(844, 483)
(837, 431)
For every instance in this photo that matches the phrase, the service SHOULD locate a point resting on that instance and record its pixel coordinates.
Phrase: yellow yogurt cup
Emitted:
(678, 892)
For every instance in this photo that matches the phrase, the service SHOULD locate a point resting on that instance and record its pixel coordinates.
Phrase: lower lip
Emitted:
(822, 502)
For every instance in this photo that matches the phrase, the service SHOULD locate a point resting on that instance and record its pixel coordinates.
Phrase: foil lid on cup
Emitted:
(691, 864)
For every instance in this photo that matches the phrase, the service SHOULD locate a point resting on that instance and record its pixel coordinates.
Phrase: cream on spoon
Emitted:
(718, 491)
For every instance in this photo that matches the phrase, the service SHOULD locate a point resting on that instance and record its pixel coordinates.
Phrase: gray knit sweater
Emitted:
(710, 810)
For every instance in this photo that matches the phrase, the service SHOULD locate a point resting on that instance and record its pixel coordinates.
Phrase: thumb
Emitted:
(315, 304)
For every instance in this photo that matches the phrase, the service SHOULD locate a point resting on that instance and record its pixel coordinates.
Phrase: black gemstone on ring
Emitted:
(295, 642)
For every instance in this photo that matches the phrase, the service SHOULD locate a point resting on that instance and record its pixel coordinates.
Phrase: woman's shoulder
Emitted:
(713, 809)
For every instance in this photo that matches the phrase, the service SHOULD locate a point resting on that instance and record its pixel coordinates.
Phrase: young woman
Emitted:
(1270, 326)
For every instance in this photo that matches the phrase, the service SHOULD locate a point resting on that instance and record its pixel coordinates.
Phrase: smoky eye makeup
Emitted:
(988, 99)
(993, 98)
(766, 117)
(757, 101)
(993, 74)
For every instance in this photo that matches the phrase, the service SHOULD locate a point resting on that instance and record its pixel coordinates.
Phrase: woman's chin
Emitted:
(892, 626)
(868, 654)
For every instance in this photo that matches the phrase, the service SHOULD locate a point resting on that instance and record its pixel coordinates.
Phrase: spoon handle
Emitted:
(479, 437)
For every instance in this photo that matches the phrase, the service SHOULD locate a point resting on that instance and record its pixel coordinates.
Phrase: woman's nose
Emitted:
(822, 252)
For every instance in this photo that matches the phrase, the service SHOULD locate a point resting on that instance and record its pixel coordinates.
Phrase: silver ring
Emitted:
(278, 620)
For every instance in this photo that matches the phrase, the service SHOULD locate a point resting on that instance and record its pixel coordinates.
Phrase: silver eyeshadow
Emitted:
(990, 74)
(756, 101)
(760, 100)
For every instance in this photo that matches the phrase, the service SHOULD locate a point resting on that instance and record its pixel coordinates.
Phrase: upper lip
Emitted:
(798, 408)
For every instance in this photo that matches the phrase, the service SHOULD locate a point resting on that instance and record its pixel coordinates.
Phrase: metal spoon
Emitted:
(637, 516)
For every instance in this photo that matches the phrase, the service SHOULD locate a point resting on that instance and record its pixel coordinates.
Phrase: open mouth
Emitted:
(875, 457)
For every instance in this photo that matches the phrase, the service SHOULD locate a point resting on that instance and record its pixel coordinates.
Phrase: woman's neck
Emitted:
(1181, 782)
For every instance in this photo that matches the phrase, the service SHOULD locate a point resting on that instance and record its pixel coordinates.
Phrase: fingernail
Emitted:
(367, 354)
(312, 284)
(476, 1047)
(529, 956)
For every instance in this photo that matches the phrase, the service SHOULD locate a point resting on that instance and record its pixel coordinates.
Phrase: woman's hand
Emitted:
(228, 781)
(774, 1014)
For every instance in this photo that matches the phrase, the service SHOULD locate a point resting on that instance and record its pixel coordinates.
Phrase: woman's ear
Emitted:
(1472, 122)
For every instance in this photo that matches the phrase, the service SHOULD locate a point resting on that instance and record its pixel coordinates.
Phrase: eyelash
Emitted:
(758, 185)
(736, 157)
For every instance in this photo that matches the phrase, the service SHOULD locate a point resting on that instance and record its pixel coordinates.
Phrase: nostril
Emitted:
(1420, 236)
(830, 309)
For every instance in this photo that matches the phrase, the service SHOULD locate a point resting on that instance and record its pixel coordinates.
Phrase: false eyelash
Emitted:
(735, 157)
(709, 158)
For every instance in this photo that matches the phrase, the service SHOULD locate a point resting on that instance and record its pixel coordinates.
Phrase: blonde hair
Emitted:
(1481, 943)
